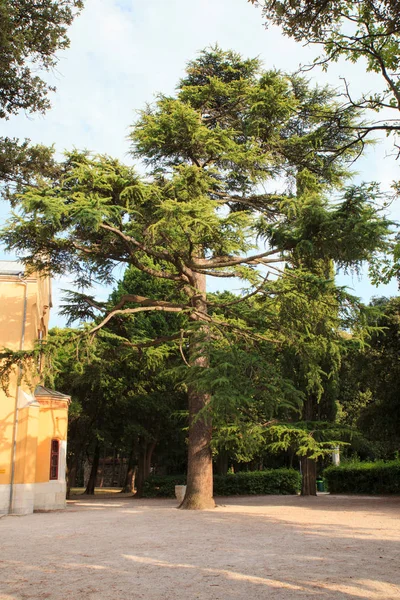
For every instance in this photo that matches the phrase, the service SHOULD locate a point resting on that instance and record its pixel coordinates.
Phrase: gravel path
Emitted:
(269, 547)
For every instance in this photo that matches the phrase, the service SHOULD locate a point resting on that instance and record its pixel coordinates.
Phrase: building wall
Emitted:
(38, 421)
(53, 425)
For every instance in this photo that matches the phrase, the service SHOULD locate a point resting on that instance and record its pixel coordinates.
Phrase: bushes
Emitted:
(364, 478)
(157, 486)
(274, 481)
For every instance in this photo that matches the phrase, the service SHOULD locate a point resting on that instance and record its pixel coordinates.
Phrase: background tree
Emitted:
(231, 130)
(31, 34)
(370, 384)
(367, 30)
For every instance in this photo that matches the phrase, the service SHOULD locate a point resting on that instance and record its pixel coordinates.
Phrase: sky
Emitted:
(123, 52)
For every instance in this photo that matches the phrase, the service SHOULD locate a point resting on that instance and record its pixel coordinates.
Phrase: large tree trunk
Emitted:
(71, 472)
(103, 469)
(199, 492)
(144, 464)
(93, 472)
(309, 476)
(129, 482)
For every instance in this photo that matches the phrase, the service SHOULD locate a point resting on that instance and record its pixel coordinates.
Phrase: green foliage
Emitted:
(248, 390)
(30, 35)
(202, 209)
(20, 163)
(360, 31)
(20, 363)
(272, 481)
(369, 382)
(367, 29)
(364, 478)
(157, 486)
(310, 439)
(231, 131)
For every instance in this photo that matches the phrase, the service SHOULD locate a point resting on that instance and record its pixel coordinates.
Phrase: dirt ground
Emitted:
(283, 548)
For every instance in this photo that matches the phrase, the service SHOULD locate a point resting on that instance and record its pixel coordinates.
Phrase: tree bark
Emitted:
(144, 464)
(199, 491)
(129, 482)
(103, 469)
(309, 476)
(140, 472)
(71, 472)
(93, 472)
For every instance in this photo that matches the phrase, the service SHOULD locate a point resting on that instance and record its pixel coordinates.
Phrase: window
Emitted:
(54, 456)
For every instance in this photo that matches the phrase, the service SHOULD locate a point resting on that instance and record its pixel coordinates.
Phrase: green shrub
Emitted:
(364, 478)
(273, 481)
(157, 486)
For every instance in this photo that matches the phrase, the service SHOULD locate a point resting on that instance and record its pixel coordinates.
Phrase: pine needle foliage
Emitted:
(242, 163)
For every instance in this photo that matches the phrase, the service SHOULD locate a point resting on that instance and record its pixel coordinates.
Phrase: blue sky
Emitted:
(125, 51)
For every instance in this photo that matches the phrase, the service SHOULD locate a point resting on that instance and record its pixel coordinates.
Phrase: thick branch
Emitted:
(144, 301)
(159, 254)
(157, 341)
(130, 311)
(231, 261)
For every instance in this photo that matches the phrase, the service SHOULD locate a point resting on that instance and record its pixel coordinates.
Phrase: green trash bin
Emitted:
(320, 485)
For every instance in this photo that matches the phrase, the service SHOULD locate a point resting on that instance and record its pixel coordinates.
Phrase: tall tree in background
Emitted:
(231, 134)
(367, 30)
(370, 382)
(31, 34)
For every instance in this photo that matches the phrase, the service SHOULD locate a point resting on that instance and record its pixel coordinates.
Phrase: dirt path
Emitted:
(270, 547)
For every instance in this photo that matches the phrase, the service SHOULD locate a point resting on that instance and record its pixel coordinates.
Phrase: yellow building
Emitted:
(33, 426)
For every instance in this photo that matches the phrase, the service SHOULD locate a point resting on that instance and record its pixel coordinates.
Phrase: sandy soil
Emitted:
(283, 548)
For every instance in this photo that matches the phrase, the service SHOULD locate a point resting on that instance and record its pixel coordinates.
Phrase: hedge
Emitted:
(273, 481)
(364, 478)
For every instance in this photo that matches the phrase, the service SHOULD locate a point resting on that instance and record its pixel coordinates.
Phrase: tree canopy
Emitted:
(369, 383)
(30, 35)
(353, 29)
(243, 165)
